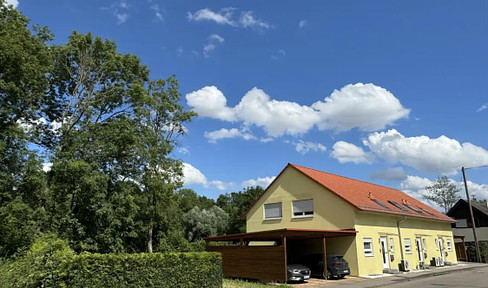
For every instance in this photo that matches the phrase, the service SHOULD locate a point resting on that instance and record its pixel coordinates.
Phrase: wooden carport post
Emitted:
(286, 260)
(324, 256)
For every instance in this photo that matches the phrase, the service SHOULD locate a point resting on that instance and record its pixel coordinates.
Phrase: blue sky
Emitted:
(390, 92)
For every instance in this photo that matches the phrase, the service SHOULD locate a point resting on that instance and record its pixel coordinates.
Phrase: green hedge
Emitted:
(48, 266)
(198, 269)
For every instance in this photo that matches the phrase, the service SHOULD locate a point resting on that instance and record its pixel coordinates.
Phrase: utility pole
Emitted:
(478, 254)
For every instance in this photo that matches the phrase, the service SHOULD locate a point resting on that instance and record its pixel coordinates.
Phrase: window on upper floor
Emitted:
(272, 211)
(303, 208)
(408, 245)
(368, 247)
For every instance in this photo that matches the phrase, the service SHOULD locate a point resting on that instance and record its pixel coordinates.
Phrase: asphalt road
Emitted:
(471, 278)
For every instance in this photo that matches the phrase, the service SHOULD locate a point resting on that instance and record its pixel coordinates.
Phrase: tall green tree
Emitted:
(443, 192)
(119, 129)
(235, 204)
(25, 62)
(109, 131)
(200, 223)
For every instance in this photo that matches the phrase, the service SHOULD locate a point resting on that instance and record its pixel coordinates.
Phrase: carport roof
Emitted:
(291, 233)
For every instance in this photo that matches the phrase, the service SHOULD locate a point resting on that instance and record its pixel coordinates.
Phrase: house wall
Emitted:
(481, 233)
(330, 211)
(374, 226)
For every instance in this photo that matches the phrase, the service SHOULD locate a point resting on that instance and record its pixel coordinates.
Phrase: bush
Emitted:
(51, 264)
(36, 268)
(144, 270)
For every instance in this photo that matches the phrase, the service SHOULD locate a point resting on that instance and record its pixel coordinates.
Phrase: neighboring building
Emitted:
(463, 226)
(389, 224)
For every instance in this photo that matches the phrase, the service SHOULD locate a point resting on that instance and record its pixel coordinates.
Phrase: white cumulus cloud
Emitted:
(246, 19)
(363, 106)
(223, 17)
(210, 102)
(432, 155)
(483, 107)
(157, 12)
(346, 152)
(192, 175)
(260, 181)
(212, 42)
(415, 185)
(223, 133)
(306, 146)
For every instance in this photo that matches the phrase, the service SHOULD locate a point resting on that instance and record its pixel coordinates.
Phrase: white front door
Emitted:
(441, 248)
(384, 252)
(419, 249)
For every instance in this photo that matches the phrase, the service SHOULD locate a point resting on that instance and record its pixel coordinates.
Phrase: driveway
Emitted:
(316, 283)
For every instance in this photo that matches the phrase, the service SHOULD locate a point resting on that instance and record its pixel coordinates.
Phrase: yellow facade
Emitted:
(330, 212)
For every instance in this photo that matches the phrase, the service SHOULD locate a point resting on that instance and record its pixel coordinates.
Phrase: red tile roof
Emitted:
(361, 195)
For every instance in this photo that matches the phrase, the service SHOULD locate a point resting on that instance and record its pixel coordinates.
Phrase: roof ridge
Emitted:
(358, 180)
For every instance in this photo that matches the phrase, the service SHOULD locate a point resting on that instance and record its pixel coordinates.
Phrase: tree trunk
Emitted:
(150, 239)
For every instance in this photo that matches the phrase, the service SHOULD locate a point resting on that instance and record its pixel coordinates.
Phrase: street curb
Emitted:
(399, 279)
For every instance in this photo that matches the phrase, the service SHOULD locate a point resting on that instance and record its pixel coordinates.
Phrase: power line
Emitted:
(474, 167)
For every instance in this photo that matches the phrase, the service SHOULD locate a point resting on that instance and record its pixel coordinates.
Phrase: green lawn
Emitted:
(232, 283)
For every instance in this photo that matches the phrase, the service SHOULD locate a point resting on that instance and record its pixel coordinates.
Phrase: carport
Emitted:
(269, 260)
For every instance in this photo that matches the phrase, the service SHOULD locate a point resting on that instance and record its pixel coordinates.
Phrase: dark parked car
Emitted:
(298, 272)
(336, 265)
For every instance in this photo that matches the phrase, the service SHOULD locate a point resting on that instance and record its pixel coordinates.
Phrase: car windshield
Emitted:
(337, 258)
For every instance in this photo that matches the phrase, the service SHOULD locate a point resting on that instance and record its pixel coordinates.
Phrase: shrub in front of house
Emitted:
(59, 267)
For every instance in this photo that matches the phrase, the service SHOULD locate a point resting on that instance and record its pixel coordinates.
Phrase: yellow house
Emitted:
(394, 230)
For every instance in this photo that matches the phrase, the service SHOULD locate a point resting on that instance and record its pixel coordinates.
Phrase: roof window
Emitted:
(397, 205)
(426, 211)
(381, 204)
(413, 208)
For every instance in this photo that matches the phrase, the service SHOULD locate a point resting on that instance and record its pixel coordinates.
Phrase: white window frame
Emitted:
(436, 244)
(273, 218)
(368, 252)
(392, 245)
(408, 247)
(310, 213)
(449, 244)
(424, 244)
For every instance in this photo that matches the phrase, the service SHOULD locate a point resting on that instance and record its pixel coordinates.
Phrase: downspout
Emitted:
(400, 235)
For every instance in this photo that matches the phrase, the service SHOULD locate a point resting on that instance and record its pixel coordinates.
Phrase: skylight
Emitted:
(413, 208)
(381, 204)
(426, 211)
(397, 205)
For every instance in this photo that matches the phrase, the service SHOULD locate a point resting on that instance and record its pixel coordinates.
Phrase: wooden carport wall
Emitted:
(241, 261)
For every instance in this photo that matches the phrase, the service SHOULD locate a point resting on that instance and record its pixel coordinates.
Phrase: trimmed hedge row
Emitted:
(162, 270)
(198, 269)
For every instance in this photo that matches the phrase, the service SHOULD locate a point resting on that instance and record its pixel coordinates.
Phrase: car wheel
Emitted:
(342, 276)
(329, 275)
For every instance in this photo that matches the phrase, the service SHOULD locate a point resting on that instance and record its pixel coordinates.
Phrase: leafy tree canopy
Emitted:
(443, 192)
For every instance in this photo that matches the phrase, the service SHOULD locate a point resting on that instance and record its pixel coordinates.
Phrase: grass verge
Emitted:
(233, 283)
